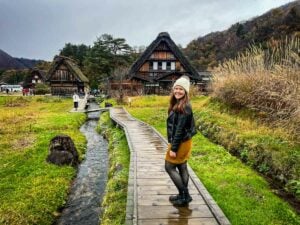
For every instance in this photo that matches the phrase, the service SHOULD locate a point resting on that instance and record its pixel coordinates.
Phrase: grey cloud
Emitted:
(39, 28)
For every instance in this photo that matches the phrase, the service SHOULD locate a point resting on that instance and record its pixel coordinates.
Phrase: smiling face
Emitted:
(179, 92)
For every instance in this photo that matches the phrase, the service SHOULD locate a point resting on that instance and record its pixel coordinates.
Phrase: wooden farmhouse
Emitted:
(35, 76)
(160, 65)
(65, 77)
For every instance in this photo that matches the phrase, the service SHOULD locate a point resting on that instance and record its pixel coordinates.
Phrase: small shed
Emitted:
(65, 77)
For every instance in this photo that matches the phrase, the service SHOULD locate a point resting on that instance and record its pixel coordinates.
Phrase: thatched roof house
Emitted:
(34, 77)
(160, 65)
(65, 77)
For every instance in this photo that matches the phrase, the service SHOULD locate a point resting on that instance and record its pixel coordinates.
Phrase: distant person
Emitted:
(81, 92)
(129, 101)
(75, 100)
(87, 98)
(180, 130)
(7, 90)
(26, 91)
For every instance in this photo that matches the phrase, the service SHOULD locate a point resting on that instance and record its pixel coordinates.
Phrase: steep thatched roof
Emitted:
(42, 73)
(70, 64)
(28, 78)
(164, 37)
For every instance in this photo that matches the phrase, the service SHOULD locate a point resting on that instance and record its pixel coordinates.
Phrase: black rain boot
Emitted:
(180, 201)
(187, 196)
(183, 199)
(173, 198)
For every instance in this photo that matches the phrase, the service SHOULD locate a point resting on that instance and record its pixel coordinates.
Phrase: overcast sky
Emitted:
(38, 29)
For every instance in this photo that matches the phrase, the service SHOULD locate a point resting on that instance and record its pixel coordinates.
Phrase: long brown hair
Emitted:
(178, 105)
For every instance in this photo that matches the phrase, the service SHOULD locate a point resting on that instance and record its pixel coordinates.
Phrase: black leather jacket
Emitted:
(180, 127)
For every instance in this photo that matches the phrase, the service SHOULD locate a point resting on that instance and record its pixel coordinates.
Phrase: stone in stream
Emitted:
(62, 151)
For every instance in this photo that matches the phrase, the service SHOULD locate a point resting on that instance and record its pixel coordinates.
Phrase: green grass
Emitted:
(114, 202)
(269, 150)
(244, 196)
(31, 190)
(111, 101)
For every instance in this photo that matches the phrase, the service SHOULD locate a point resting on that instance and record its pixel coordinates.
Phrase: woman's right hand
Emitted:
(172, 154)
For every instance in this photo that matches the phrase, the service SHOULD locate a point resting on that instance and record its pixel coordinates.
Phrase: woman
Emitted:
(75, 100)
(180, 129)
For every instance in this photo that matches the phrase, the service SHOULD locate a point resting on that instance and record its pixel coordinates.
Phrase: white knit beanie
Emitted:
(183, 81)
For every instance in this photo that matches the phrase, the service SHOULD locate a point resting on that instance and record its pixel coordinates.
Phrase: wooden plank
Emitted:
(156, 199)
(179, 221)
(171, 212)
(166, 187)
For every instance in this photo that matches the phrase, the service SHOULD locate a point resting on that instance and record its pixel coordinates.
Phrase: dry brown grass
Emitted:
(266, 81)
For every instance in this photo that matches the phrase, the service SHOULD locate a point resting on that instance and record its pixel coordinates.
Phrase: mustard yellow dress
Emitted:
(183, 153)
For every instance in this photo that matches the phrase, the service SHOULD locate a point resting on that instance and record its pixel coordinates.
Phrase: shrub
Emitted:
(41, 89)
(266, 81)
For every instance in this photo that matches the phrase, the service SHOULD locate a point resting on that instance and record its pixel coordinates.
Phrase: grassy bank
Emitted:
(244, 196)
(269, 151)
(114, 202)
(31, 190)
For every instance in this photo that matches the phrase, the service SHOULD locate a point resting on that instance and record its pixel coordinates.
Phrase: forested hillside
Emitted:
(9, 62)
(206, 52)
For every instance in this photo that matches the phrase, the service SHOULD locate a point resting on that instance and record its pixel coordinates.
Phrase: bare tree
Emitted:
(119, 75)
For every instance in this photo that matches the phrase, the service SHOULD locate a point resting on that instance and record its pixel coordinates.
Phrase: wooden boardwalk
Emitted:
(149, 186)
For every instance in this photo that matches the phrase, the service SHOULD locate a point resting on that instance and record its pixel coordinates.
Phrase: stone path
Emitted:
(149, 186)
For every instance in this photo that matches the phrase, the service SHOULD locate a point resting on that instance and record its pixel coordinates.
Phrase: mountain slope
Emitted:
(8, 62)
(29, 63)
(206, 52)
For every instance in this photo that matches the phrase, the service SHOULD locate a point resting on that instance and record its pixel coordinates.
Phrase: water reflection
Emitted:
(183, 213)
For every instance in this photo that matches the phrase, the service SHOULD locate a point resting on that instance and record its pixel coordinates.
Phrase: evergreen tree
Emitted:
(76, 52)
(105, 56)
(99, 61)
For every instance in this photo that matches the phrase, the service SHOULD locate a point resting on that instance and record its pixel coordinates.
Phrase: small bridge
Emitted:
(96, 110)
(83, 106)
(149, 186)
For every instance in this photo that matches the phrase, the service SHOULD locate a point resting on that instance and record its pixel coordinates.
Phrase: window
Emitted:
(63, 75)
(164, 65)
(172, 65)
(155, 65)
(159, 65)
(168, 65)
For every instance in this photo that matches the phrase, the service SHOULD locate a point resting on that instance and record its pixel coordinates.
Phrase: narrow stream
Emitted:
(83, 206)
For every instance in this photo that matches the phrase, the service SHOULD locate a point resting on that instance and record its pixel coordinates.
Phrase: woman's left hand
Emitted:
(172, 154)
